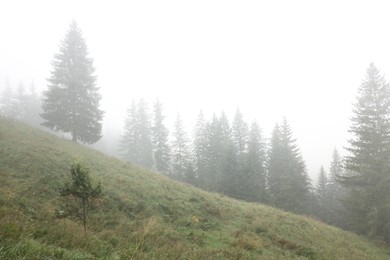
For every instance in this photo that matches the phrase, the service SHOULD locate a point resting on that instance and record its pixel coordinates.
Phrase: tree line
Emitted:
(231, 158)
(22, 104)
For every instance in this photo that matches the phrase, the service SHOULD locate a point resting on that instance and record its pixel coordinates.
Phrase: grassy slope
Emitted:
(143, 215)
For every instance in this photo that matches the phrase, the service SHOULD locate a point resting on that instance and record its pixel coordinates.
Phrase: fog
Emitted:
(302, 60)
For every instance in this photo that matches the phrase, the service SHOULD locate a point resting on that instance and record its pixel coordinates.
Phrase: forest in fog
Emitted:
(231, 157)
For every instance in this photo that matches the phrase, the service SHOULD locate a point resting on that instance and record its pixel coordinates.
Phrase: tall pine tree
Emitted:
(289, 185)
(221, 149)
(200, 150)
(240, 133)
(180, 152)
(128, 144)
(33, 107)
(19, 104)
(6, 101)
(143, 135)
(336, 191)
(335, 172)
(71, 103)
(368, 199)
(322, 195)
(136, 141)
(161, 149)
(254, 170)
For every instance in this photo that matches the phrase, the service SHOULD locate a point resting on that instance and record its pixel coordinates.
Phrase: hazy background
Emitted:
(299, 59)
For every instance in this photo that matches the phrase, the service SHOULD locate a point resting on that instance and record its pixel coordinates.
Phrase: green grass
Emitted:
(143, 215)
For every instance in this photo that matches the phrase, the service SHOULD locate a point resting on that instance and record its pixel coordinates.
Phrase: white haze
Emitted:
(300, 59)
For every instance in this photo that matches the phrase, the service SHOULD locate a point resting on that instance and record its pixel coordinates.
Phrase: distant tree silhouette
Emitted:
(71, 103)
(161, 149)
(368, 161)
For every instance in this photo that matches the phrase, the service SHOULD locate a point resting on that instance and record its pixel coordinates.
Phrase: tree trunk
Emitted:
(74, 137)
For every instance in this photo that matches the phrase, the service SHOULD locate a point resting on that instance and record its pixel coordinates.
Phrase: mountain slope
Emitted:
(143, 215)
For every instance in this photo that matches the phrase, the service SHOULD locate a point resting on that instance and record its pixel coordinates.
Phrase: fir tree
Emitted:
(81, 188)
(143, 132)
(136, 143)
(33, 107)
(19, 102)
(200, 150)
(180, 152)
(231, 182)
(289, 185)
(161, 149)
(336, 191)
(322, 183)
(335, 172)
(219, 139)
(240, 133)
(211, 178)
(278, 180)
(128, 144)
(369, 158)
(322, 195)
(254, 172)
(71, 103)
(6, 101)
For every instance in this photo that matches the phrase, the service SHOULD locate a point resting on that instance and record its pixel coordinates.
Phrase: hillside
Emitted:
(143, 215)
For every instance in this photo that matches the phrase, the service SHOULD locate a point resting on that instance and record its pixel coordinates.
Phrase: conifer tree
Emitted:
(22, 105)
(33, 107)
(322, 183)
(81, 188)
(214, 155)
(127, 143)
(219, 138)
(336, 191)
(19, 102)
(161, 149)
(71, 103)
(240, 133)
(143, 131)
(136, 143)
(200, 150)
(277, 166)
(231, 182)
(288, 182)
(335, 172)
(6, 101)
(322, 195)
(369, 158)
(254, 171)
(180, 152)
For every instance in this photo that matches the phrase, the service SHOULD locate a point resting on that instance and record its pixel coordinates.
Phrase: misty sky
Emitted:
(300, 59)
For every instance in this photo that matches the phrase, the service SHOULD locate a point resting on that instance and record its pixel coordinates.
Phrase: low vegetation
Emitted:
(143, 215)
(81, 189)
